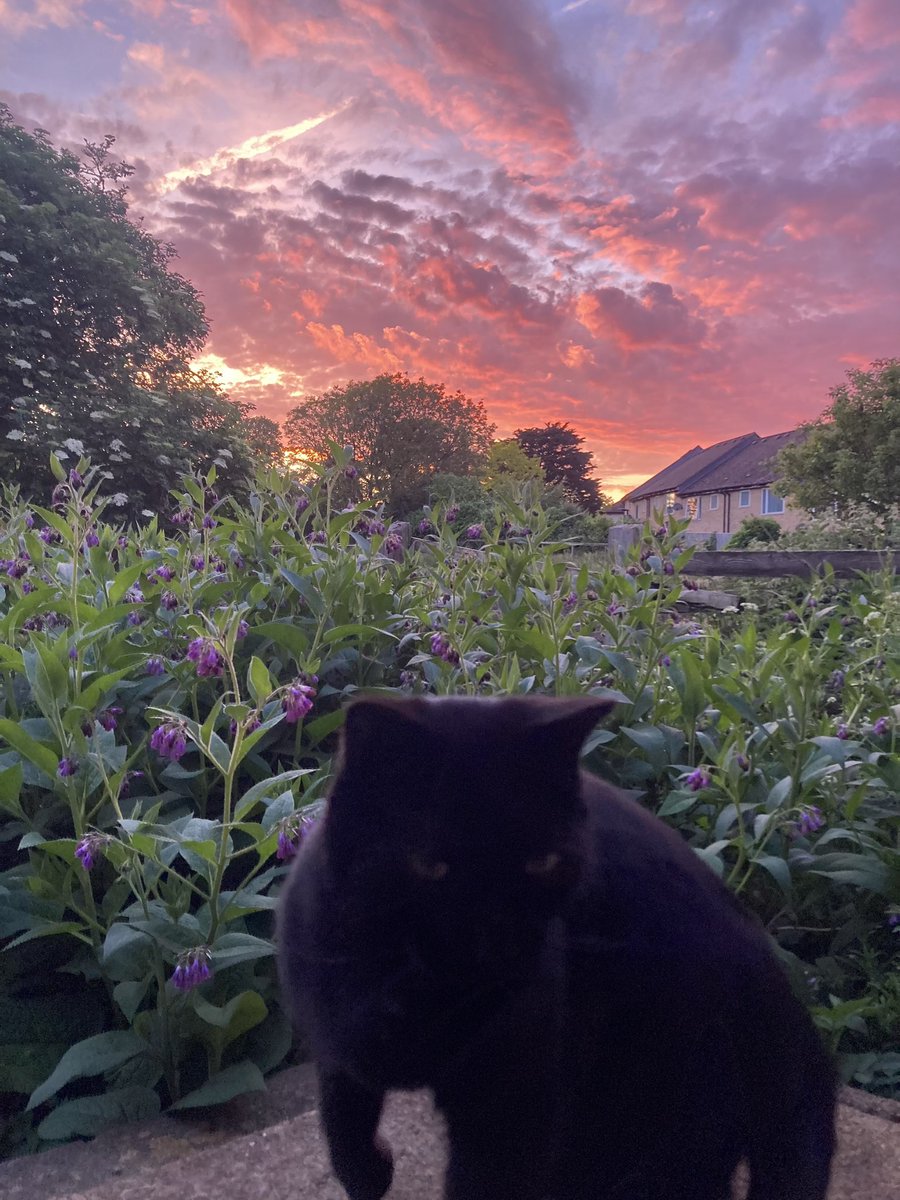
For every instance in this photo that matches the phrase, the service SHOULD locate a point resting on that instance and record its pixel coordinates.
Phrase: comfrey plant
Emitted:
(170, 701)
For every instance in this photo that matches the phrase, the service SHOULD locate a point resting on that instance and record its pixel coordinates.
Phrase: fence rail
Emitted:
(773, 564)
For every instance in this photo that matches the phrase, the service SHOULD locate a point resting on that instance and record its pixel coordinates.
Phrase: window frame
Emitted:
(713, 502)
(770, 498)
(741, 494)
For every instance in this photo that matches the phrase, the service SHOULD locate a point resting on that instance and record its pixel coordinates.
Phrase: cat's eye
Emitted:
(427, 868)
(543, 866)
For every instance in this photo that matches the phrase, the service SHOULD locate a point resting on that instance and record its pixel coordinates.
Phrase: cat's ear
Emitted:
(561, 724)
(379, 728)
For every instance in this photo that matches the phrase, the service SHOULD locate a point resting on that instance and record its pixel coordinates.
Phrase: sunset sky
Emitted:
(667, 222)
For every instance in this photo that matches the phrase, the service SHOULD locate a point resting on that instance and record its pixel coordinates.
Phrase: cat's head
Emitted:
(467, 805)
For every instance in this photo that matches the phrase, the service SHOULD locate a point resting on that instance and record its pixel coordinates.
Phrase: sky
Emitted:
(666, 222)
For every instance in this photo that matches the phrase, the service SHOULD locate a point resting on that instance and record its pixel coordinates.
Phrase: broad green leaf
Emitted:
(93, 1056)
(234, 1081)
(259, 681)
(42, 756)
(241, 1013)
(88, 1115)
(24, 1065)
(233, 948)
(10, 787)
(258, 791)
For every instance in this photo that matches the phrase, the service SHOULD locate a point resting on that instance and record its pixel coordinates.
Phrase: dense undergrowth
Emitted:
(171, 698)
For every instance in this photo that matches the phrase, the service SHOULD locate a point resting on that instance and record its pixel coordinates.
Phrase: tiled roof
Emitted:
(753, 467)
(686, 471)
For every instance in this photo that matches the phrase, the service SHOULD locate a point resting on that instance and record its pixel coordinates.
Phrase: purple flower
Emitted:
(697, 780)
(198, 562)
(209, 522)
(570, 602)
(441, 648)
(16, 568)
(155, 665)
(836, 681)
(169, 740)
(134, 595)
(251, 724)
(297, 701)
(125, 785)
(350, 472)
(242, 630)
(317, 537)
(791, 617)
(182, 516)
(843, 732)
(424, 528)
(122, 542)
(475, 533)
(668, 567)
(615, 609)
(219, 566)
(168, 600)
(452, 514)
(90, 848)
(881, 726)
(134, 618)
(665, 661)
(109, 718)
(73, 653)
(392, 544)
(590, 595)
(370, 526)
(75, 478)
(743, 762)
(291, 832)
(91, 540)
(894, 920)
(203, 653)
(66, 767)
(192, 968)
(165, 573)
(810, 820)
(49, 536)
(29, 520)
(408, 680)
(302, 505)
(27, 587)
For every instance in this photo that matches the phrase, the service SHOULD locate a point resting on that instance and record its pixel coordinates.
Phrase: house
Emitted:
(720, 486)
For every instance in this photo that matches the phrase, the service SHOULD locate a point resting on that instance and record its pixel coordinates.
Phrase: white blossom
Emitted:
(15, 435)
(73, 444)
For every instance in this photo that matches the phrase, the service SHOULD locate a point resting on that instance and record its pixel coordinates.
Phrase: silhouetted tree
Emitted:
(556, 446)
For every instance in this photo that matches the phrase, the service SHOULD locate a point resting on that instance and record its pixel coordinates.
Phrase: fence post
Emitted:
(621, 539)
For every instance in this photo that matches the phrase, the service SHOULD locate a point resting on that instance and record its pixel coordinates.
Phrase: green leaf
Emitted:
(259, 681)
(861, 869)
(258, 791)
(778, 869)
(92, 1056)
(10, 787)
(129, 994)
(286, 635)
(124, 580)
(233, 948)
(241, 1013)
(88, 1115)
(234, 1081)
(42, 757)
(341, 632)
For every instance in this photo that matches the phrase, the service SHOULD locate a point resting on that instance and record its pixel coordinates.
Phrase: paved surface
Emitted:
(168, 1160)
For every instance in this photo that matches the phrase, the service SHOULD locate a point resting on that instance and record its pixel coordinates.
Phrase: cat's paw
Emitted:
(370, 1179)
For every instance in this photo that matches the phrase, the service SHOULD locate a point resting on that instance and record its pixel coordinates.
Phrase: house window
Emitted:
(744, 499)
(772, 504)
(692, 507)
(670, 502)
(713, 503)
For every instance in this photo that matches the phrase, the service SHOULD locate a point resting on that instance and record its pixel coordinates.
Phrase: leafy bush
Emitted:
(754, 530)
(170, 703)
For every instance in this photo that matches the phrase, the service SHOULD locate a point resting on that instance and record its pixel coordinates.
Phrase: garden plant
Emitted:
(170, 700)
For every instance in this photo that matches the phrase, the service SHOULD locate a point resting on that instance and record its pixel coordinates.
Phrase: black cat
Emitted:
(594, 1013)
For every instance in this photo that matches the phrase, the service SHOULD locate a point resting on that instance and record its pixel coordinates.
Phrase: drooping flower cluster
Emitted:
(169, 740)
(203, 653)
(370, 526)
(809, 821)
(297, 701)
(697, 780)
(192, 968)
(475, 533)
(155, 665)
(67, 767)
(441, 648)
(90, 848)
(109, 718)
(291, 832)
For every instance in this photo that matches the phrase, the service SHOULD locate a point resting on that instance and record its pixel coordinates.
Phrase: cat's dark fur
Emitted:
(596, 1016)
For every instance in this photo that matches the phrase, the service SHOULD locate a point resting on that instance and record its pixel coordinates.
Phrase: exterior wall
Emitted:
(727, 518)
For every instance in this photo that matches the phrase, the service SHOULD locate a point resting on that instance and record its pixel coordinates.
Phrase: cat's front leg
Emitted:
(362, 1161)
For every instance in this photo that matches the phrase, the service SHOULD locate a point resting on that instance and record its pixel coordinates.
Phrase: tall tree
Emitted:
(97, 333)
(557, 447)
(403, 433)
(851, 453)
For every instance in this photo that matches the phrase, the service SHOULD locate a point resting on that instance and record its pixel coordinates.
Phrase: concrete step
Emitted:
(287, 1160)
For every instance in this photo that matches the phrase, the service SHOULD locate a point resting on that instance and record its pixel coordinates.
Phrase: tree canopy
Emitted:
(403, 432)
(851, 454)
(97, 333)
(557, 447)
